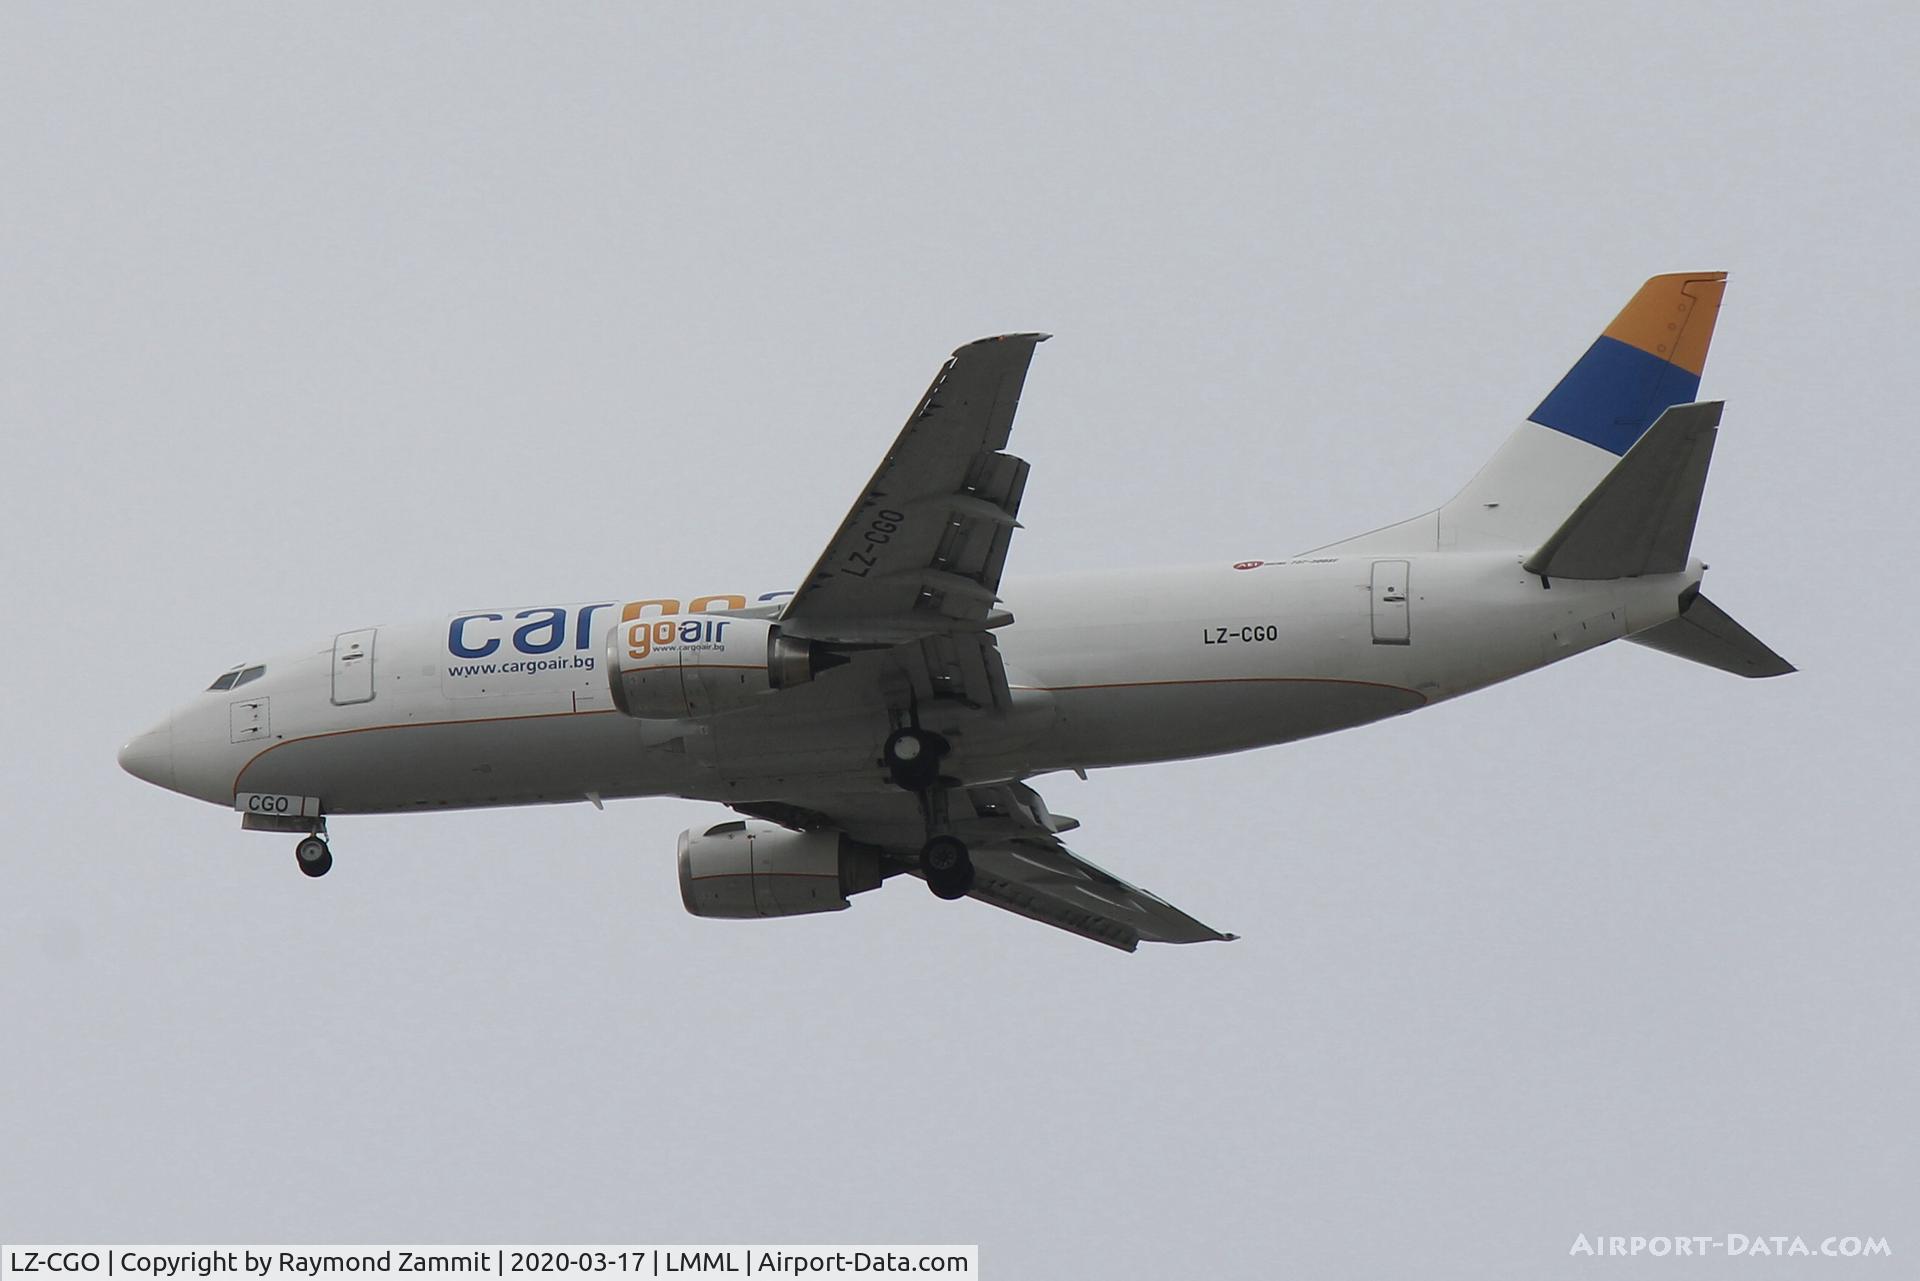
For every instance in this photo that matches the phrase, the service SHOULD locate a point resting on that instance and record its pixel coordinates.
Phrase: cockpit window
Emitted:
(234, 678)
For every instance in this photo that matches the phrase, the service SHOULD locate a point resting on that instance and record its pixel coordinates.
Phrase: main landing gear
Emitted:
(314, 857)
(912, 756)
(948, 867)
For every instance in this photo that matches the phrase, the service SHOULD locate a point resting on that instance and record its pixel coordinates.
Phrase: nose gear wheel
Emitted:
(313, 856)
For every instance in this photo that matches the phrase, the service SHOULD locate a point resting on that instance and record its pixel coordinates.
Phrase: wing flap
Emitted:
(1021, 864)
(1045, 881)
(1024, 900)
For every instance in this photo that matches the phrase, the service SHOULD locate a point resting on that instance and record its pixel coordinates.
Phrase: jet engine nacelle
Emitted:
(697, 665)
(758, 869)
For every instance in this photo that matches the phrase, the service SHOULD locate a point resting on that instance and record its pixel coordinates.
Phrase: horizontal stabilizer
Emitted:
(1705, 634)
(1639, 519)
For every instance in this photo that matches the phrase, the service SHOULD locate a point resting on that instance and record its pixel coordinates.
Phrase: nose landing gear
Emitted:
(313, 856)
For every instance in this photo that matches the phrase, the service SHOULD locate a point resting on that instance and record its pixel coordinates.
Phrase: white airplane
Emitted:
(885, 717)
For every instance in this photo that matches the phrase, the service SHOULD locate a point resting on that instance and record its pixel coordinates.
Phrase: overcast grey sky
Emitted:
(318, 317)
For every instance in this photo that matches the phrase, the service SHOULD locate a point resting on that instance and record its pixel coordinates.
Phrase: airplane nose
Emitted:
(149, 757)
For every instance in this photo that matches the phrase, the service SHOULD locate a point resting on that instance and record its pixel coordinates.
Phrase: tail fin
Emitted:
(1704, 634)
(1648, 359)
(1640, 518)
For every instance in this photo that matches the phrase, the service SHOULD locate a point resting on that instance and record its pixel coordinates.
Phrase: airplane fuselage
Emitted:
(511, 705)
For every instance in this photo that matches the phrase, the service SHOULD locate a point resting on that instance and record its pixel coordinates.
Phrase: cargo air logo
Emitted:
(552, 637)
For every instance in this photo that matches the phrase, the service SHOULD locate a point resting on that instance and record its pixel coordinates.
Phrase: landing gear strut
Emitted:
(912, 756)
(314, 857)
(948, 867)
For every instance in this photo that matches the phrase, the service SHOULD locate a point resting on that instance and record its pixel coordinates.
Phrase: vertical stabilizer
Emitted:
(1648, 359)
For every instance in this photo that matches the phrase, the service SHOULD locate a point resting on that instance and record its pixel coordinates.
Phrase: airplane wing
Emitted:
(1020, 863)
(914, 570)
(921, 552)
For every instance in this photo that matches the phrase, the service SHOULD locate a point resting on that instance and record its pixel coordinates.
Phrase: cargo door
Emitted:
(353, 667)
(1391, 625)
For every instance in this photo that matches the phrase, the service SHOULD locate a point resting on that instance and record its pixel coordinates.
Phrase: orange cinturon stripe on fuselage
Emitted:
(1228, 680)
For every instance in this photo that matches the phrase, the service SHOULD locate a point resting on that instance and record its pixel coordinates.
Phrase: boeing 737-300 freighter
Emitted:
(886, 715)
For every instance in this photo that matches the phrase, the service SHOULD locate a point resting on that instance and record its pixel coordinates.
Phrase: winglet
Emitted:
(1650, 357)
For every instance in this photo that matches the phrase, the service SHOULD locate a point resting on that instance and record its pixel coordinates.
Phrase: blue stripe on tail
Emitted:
(1613, 394)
